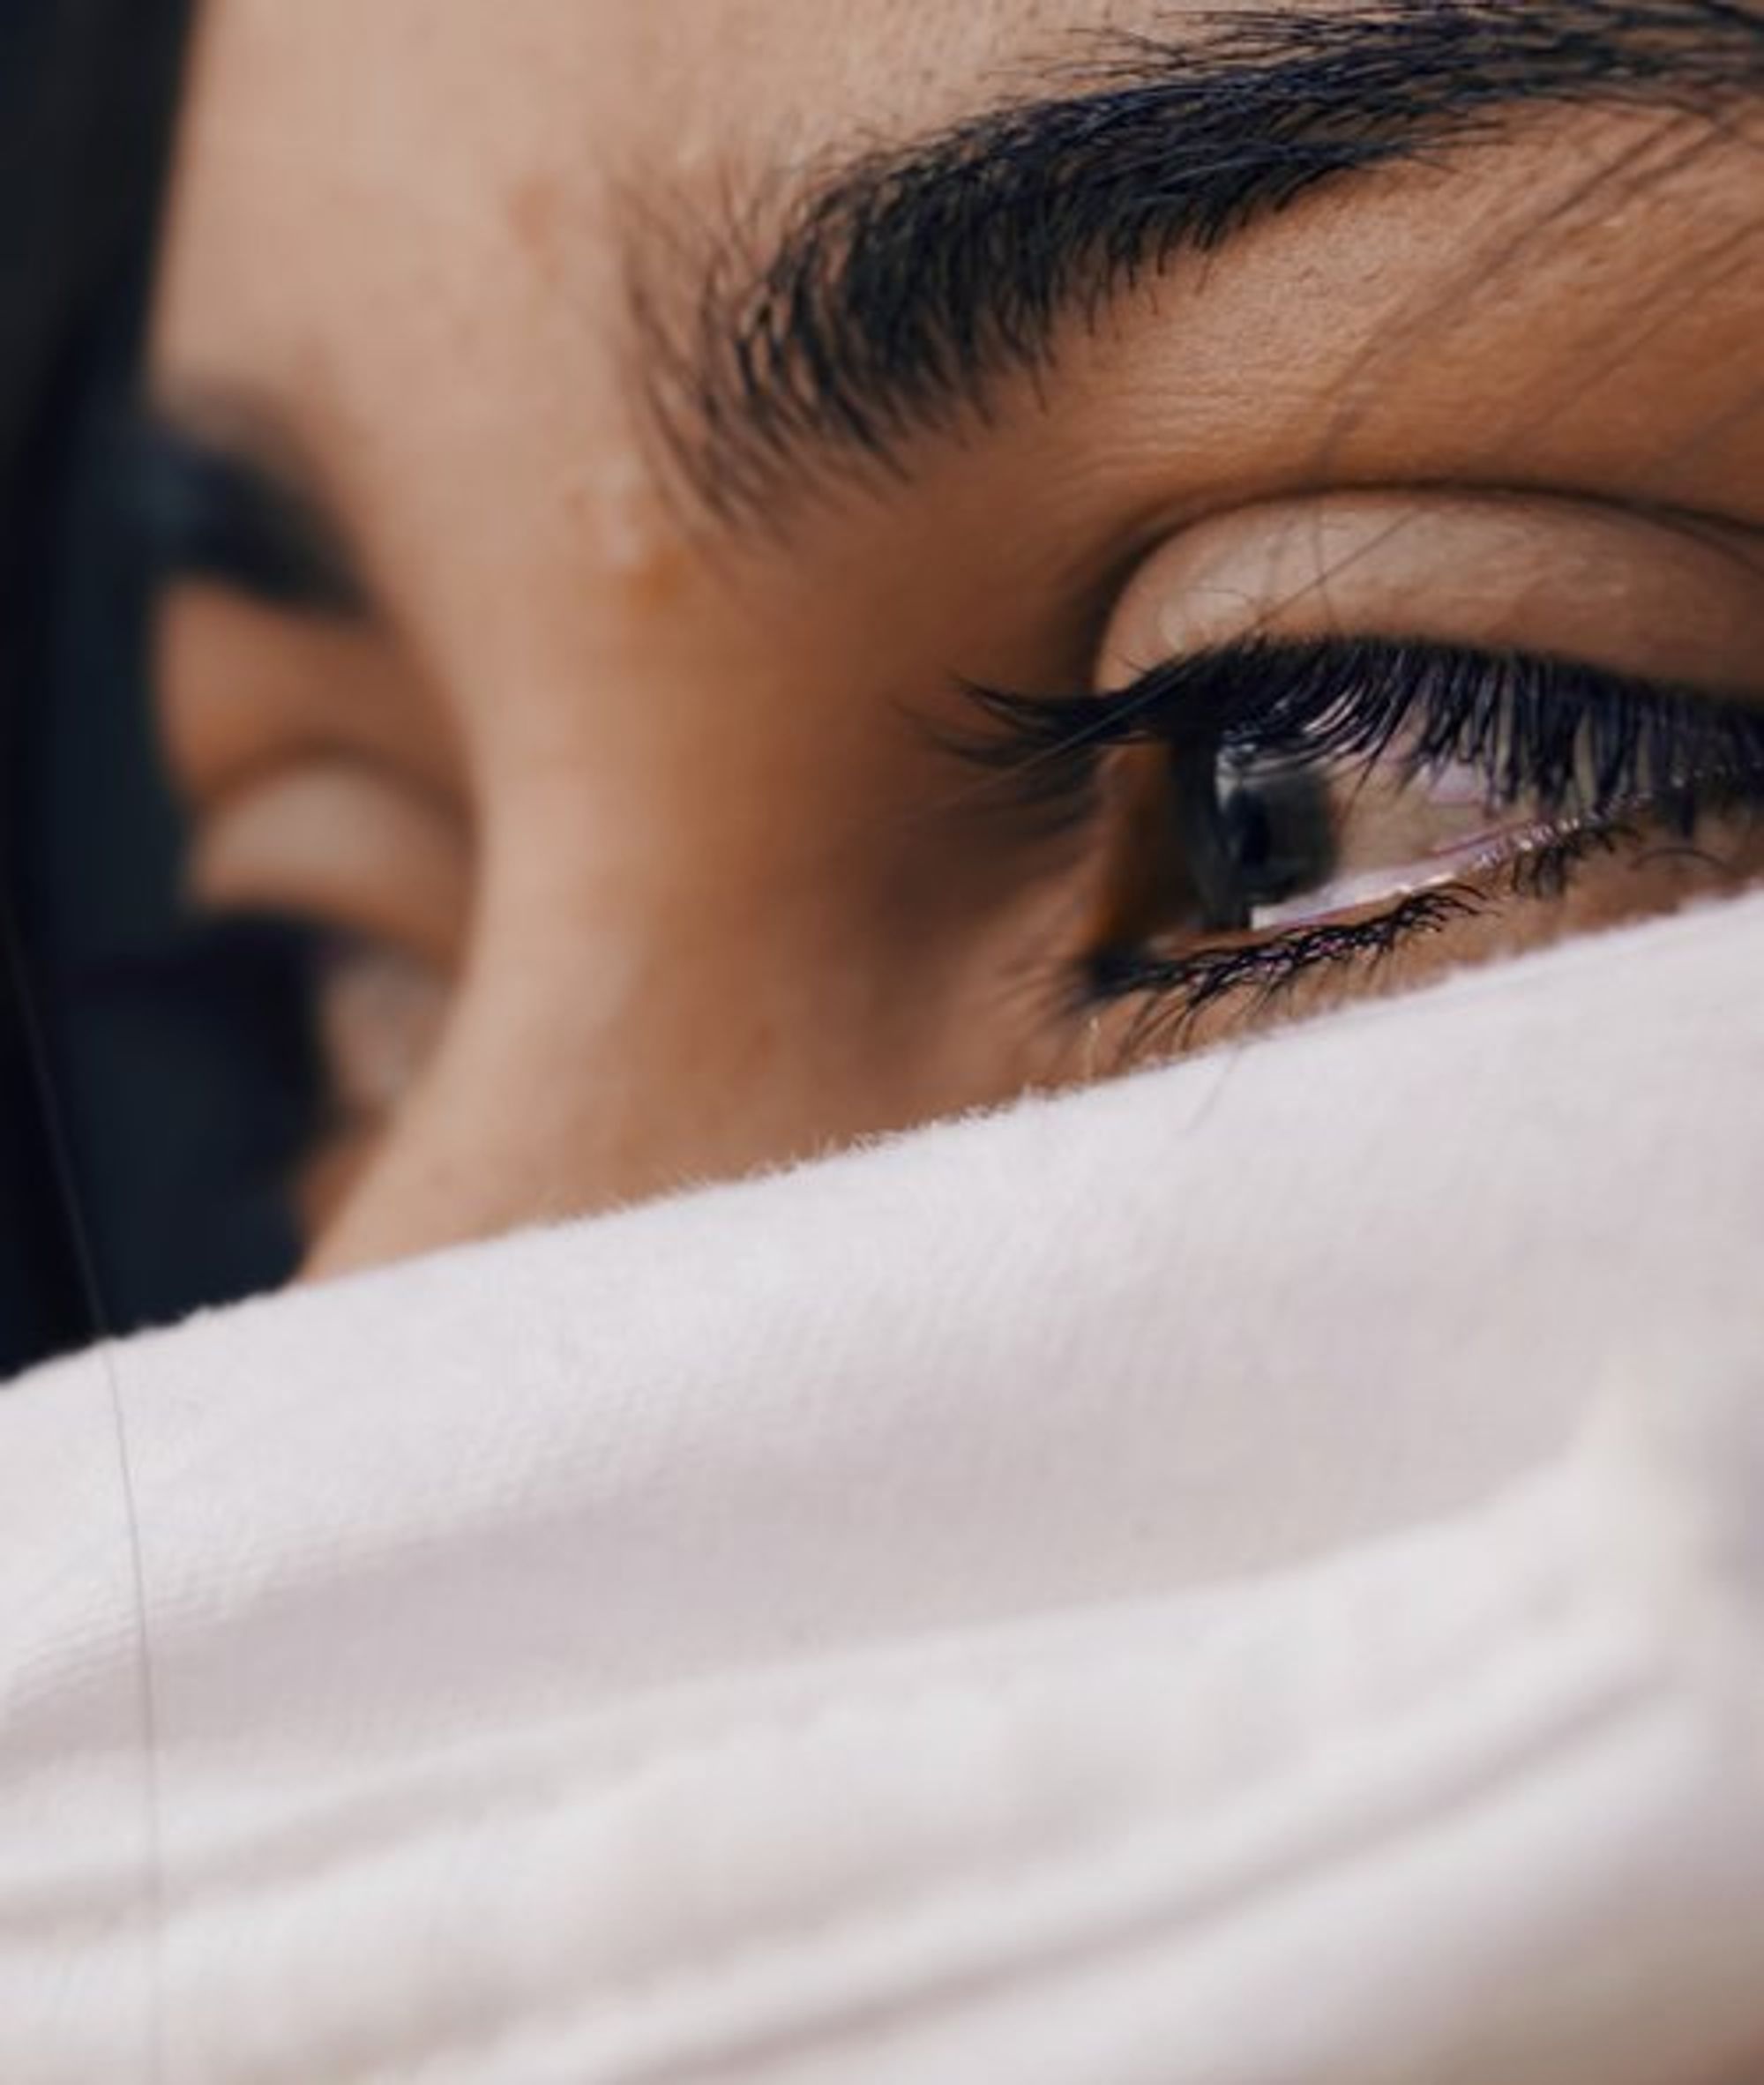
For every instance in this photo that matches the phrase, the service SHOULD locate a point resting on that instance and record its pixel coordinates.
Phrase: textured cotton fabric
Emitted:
(1252, 1573)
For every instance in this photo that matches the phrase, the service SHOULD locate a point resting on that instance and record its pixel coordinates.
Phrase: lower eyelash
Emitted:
(1546, 871)
(1177, 990)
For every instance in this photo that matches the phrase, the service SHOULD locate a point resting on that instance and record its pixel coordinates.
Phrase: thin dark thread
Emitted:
(67, 1191)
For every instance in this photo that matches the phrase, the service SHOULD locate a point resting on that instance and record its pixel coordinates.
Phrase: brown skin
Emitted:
(685, 892)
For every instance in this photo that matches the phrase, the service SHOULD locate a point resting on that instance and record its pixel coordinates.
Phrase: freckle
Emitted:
(634, 540)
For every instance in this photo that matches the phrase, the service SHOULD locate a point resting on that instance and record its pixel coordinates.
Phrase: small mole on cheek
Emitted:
(630, 525)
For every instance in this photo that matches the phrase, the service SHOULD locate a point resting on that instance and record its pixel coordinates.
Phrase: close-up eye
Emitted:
(1379, 738)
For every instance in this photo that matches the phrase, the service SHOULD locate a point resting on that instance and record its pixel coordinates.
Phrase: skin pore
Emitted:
(602, 466)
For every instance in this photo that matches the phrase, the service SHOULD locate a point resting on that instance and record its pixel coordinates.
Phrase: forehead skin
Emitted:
(409, 229)
(533, 140)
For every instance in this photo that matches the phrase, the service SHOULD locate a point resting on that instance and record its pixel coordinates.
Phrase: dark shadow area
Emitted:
(152, 1074)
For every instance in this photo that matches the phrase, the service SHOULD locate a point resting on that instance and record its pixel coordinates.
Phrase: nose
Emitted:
(573, 1072)
(611, 1040)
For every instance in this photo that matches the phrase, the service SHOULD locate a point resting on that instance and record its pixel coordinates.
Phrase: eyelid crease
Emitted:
(212, 784)
(240, 688)
(344, 844)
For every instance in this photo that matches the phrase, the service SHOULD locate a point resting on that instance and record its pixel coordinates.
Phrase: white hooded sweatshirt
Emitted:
(1249, 1575)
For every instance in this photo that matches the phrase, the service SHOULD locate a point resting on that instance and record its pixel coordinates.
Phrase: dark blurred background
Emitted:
(151, 1073)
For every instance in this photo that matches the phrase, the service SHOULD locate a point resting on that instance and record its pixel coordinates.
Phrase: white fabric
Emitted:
(1254, 1573)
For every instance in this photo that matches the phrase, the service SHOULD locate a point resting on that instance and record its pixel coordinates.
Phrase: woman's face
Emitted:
(609, 445)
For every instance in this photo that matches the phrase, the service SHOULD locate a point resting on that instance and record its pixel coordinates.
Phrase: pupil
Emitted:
(1248, 830)
(1275, 832)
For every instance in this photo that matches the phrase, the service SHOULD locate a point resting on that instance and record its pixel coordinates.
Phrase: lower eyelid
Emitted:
(1169, 982)
(1167, 995)
(1257, 972)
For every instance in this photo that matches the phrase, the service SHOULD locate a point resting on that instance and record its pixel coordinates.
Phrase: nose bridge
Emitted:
(618, 1021)
(596, 1050)
(628, 1024)
(500, 1134)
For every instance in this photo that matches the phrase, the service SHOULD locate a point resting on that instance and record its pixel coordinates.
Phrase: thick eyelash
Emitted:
(1550, 732)
(1589, 747)
(1176, 991)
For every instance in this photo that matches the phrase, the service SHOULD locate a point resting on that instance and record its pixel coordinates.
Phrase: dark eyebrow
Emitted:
(905, 281)
(223, 508)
